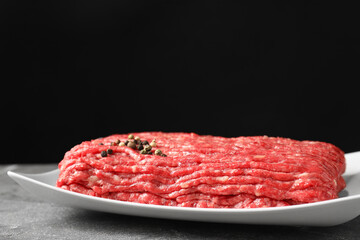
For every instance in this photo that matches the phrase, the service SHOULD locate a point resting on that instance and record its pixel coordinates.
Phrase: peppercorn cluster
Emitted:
(135, 143)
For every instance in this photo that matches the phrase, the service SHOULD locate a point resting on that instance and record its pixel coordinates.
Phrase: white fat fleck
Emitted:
(184, 185)
(93, 179)
(257, 193)
(257, 190)
(305, 174)
(222, 179)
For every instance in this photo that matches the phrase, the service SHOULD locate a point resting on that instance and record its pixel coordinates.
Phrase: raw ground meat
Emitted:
(206, 171)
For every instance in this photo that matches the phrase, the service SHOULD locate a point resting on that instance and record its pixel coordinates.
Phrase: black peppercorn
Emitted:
(103, 153)
(137, 140)
(147, 148)
(131, 145)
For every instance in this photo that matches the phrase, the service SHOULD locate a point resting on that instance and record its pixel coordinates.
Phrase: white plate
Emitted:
(326, 213)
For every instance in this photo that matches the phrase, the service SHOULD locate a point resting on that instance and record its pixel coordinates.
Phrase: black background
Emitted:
(78, 70)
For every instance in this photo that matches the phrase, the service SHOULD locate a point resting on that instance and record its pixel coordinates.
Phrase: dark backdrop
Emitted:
(78, 70)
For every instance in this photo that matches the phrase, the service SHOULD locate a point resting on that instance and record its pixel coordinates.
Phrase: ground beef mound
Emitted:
(205, 171)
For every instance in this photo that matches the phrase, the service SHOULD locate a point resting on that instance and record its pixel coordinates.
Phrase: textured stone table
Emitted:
(23, 216)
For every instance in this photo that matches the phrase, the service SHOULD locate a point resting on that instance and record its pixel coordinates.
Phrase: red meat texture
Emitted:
(206, 171)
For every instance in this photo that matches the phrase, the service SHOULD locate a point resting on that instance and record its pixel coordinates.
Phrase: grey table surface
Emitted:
(23, 216)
